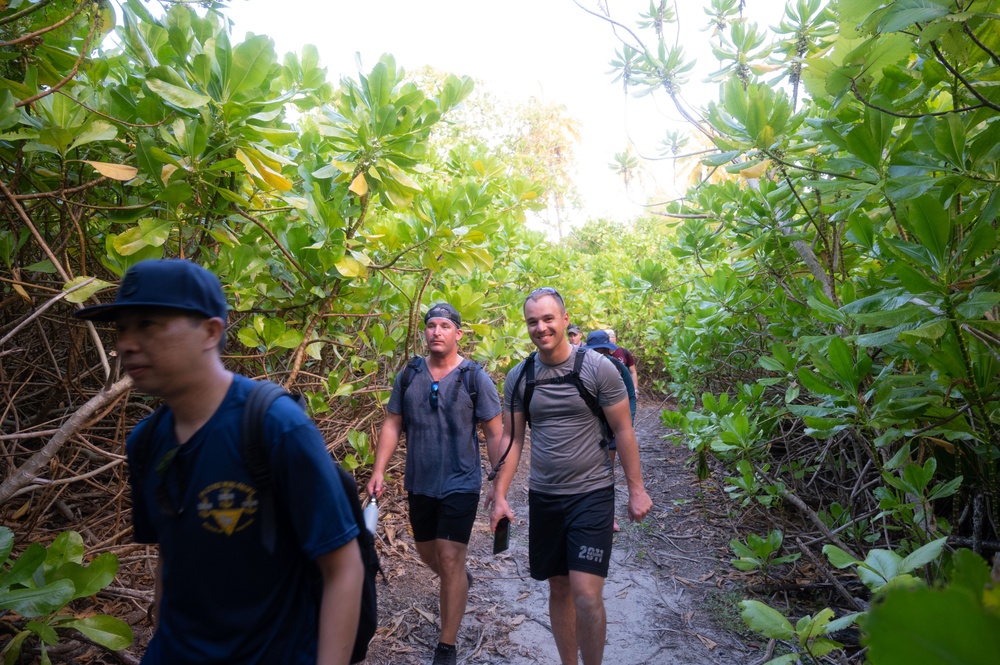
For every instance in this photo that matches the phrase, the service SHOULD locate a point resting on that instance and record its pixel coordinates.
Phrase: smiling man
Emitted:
(437, 401)
(222, 594)
(571, 485)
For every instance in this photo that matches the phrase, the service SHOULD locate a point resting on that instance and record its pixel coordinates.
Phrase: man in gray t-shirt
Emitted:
(570, 486)
(432, 403)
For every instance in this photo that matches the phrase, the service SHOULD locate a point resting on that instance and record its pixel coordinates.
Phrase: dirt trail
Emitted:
(664, 574)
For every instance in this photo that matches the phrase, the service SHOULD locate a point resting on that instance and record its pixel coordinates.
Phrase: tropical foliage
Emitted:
(832, 332)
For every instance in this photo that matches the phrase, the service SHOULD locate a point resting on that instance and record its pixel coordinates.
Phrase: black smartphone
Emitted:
(501, 537)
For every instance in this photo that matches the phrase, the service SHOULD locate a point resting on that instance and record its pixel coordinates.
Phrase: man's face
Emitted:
(162, 349)
(547, 323)
(442, 336)
(574, 336)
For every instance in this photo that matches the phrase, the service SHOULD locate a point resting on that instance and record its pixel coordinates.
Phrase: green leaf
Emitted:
(6, 545)
(37, 602)
(97, 130)
(838, 557)
(184, 98)
(107, 631)
(88, 580)
(24, 567)
(931, 627)
(766, 621)
(66, 548)
(904, 13)
(149, 232)
(924, 555)
(252, 60)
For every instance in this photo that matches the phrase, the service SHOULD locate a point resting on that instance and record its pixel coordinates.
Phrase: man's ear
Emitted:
(459, 334)
(215, 330)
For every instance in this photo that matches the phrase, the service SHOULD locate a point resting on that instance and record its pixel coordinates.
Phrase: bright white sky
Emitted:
(549, 49)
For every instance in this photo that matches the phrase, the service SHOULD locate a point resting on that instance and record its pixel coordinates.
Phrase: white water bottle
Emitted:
(370, 514)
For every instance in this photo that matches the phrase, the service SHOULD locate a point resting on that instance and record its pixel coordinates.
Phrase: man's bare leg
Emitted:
(579, 622)
(446, 559)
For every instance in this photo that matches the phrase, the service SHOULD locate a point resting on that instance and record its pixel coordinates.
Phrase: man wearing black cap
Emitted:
(437, 401)
(221, 595)
(574, 334)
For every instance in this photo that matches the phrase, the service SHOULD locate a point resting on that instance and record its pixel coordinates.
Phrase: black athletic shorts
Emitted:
(448, 518)
(570, 532)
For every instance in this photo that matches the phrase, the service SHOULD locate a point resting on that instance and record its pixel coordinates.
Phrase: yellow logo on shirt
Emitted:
(227, 507)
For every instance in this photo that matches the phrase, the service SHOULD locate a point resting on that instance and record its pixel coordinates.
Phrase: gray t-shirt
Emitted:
(566, 452)
(442, 447)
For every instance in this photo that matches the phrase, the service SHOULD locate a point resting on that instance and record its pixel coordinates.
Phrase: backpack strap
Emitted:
(572, 377)
(414, 365)
(530, 362)
(143, 449)
(529, 387)
(255, 454)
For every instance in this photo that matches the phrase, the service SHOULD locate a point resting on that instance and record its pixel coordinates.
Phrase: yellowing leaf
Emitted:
(114, 171)
(81, 294)
(359, 185)
(21, 292)
(349, 266)
(755, 171)
(167, 171)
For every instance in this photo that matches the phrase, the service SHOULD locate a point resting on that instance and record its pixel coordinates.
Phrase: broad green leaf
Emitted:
(107, 631)
(252, 60)
(766, 621)
(838, 557)
(924, 555)
(904, 13)
(148, 232)
(37, 602)
(184, 98)
(24, 567)
(46, 632)
(97, 130)
(90, 579)
(66, 548)
(931, 627)
(6, 545)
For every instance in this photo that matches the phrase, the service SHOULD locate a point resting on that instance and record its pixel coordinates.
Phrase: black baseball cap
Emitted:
(443, 310)
(573, 328)
(172, 283)
(599, 340)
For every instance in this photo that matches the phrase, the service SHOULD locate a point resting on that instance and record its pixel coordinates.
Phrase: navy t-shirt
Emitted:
(442, 447)
(225, 598)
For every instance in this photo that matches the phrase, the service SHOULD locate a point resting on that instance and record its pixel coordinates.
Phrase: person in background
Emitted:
(443, 475)
(600, 342)
(571, 488)
(574, 335)
(221, 594)
(626, 358)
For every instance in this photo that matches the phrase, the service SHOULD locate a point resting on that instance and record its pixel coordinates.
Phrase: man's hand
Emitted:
(500, 510)
(376, 486)
(639, 505)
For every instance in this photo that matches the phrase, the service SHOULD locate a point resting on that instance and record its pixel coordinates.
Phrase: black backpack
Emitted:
(261, 396)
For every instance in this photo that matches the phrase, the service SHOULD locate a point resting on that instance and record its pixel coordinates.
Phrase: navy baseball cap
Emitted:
(443, 310)
(574, 328)
(173, 283)
(599, 340)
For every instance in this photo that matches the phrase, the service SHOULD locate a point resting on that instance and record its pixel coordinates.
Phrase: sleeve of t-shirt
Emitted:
(488, 401)
(512, 402)
(610, 387)
(305, 475)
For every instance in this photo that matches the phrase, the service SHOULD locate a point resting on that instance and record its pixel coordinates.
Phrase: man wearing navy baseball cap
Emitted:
(222, 595)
